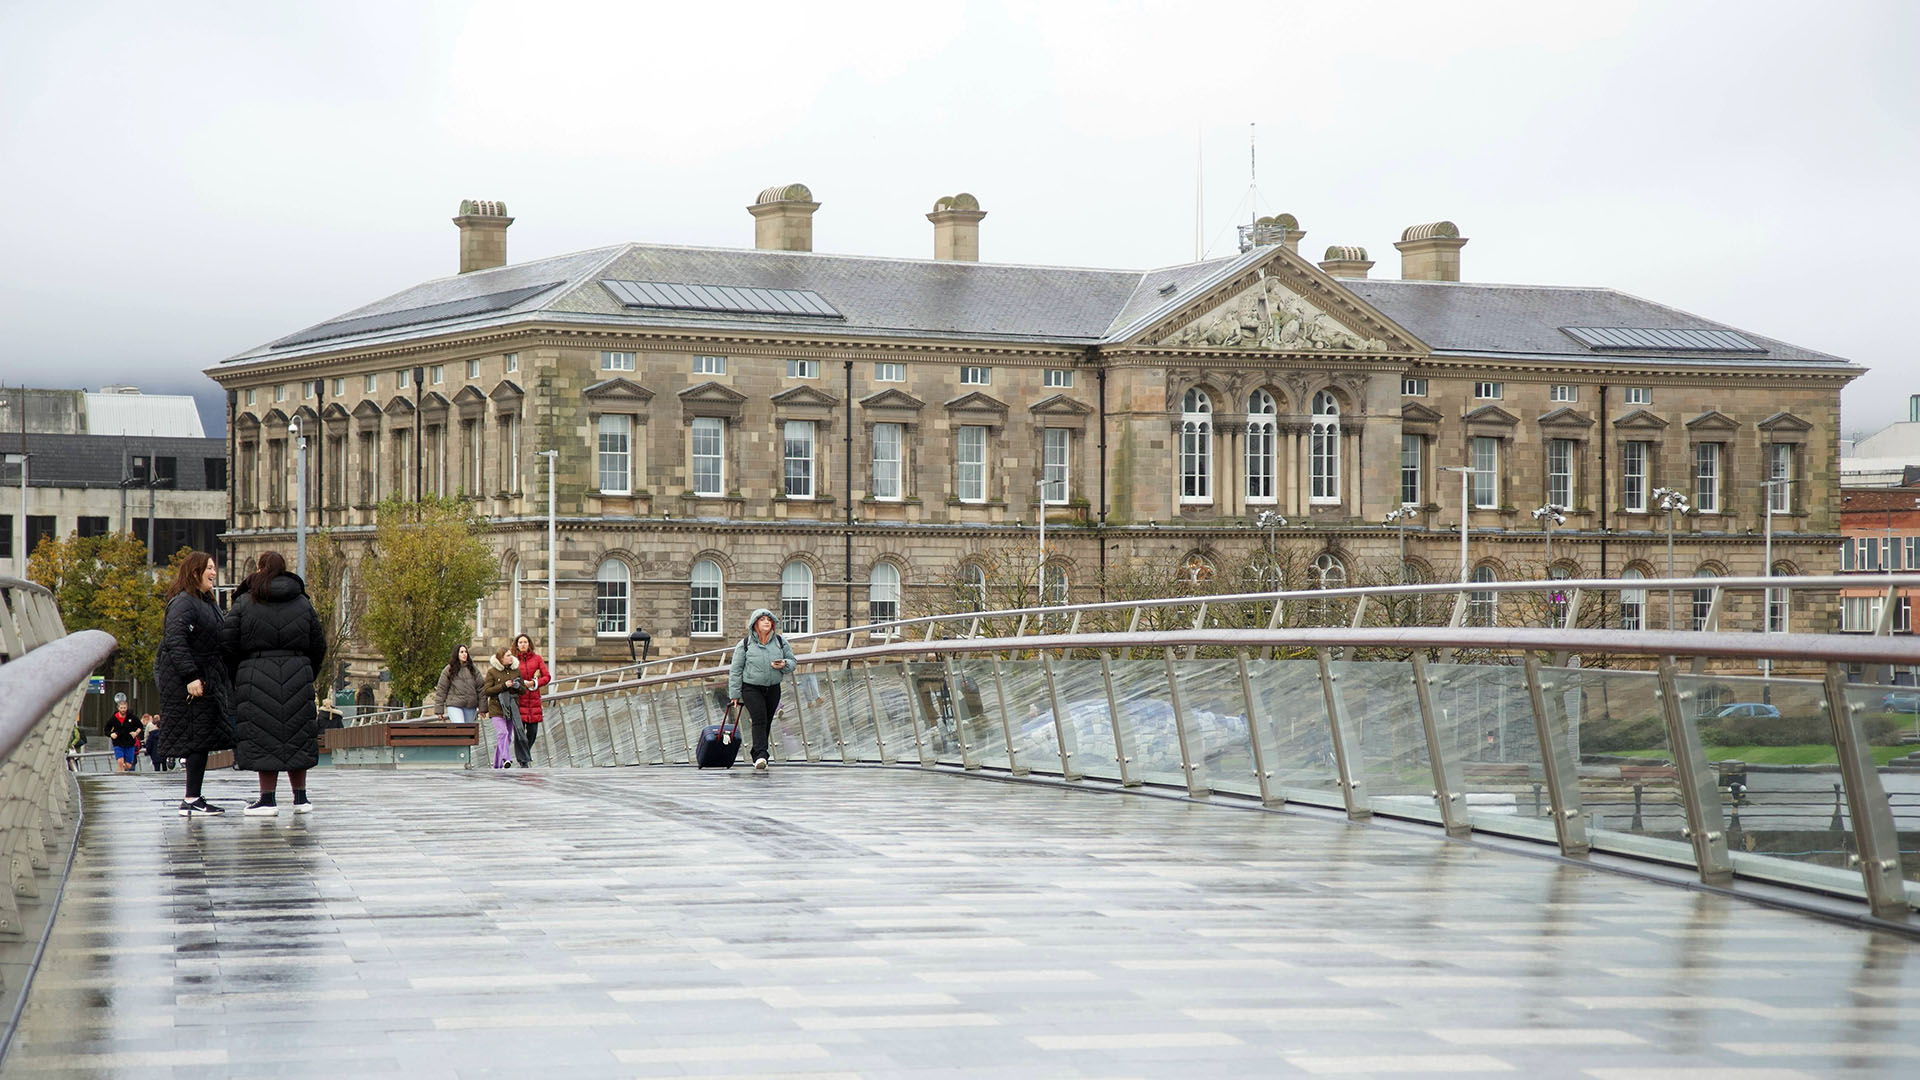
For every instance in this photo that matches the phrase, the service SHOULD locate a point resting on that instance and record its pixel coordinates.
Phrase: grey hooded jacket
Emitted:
(753, 662)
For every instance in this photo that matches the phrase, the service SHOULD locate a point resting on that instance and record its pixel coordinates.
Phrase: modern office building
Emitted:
(841, 437)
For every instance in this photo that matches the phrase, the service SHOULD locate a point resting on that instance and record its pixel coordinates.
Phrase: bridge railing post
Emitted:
(1062, 732)
(922, 738)
(1014, 764)
(1192, 761)
(957, 701)
(1699, 794)
(1259, 735)
(879, 729)
(808, 749)
(1556, 758)
(1345, 741)
(1874, 835)
(1122, 731)
(1447, 790)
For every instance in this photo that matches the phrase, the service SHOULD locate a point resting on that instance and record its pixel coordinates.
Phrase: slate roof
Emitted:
(881, 297)
(1474, 319)
(94, 461)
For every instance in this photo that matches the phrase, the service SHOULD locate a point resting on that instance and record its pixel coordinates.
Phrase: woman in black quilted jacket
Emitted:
(273, 641)
(195, 694)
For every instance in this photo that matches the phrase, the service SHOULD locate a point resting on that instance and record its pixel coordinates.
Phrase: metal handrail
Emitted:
(899, 627)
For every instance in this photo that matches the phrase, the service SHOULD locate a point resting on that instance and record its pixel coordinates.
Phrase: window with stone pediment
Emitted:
(705, 599)
(796, 598)
(888, 448)
(883, 593)
(1196, 447)
(611, 585)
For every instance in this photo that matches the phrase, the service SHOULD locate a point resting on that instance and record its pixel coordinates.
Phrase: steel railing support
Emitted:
(922, 738)
(1191, 761)
(957, 699)
(1062, 734)
(1699, 794)
(1346, 747)
(1448, 791)
(1257, 729)
(1014, 764)
(873, 705)
(1122, 733)
(1556, 758)
(1874, 836)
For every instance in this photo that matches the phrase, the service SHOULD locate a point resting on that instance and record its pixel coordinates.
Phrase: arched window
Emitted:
(1779, 602)
(1196, 570)
(1633, 602)
(610, 598)
(1260, 457)
(974, 577)
(1703, 601)
(1323, 452)
(1328, 571)
(1053, 583)
(703, 611)
(1483, 605)
(796, 598)
(1196, 448)
(883, 593)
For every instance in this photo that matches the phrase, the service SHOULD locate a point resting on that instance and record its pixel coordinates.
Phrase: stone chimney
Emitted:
(783, 218)
(1431, 252)
(1347, 261)
(956, 228)
(483, 234)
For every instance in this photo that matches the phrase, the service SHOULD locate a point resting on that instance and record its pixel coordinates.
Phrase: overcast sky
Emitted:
(184, 181)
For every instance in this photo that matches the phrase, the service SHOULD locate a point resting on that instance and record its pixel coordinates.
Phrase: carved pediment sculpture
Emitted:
(1268, 315)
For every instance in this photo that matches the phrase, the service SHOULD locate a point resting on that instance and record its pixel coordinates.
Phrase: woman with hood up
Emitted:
(273, 641)
(761, 660)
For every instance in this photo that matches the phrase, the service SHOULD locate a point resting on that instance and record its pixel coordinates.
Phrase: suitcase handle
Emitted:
(730, 722)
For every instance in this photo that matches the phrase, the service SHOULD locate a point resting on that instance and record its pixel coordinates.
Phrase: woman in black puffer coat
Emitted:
(273, 641)
(196, 697)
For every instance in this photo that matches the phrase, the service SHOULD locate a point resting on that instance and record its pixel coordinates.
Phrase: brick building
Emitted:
(829, 435)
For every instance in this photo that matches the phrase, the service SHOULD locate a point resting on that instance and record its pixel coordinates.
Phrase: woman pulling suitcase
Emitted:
(761, 660)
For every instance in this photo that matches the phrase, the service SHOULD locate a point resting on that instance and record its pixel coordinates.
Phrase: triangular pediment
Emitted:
(805, 396)
(333, 411)
(367, 410)
(1713, 420)
(1640, 420)
(469, 396)
(274, 418)
(714, 393)
(433, 402)
(892, 399)
(246, 420)
(1060, 405)
(1274, 301)
(1492, 414)
(1784, 421)
(1414, 412)
(977, 402)
(617, 389)
(507, 390)
(399, 405)
(1565, 417)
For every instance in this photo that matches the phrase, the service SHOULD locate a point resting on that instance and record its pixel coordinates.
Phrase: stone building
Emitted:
(829, 435)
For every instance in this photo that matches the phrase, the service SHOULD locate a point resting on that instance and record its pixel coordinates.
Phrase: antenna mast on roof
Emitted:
(1199, 201)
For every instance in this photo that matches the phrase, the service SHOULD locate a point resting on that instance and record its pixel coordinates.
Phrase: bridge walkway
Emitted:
(840, 922)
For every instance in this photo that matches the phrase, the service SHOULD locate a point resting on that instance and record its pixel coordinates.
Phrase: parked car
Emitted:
(1744, 710)
(1908, 702)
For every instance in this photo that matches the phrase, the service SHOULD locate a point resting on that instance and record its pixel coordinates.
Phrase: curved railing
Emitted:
(43, 674)
(1529, 742)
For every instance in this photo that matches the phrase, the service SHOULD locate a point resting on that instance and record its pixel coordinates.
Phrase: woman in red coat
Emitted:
(534, 671)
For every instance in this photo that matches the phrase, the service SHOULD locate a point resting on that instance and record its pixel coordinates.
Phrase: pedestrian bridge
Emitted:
(1015, 850)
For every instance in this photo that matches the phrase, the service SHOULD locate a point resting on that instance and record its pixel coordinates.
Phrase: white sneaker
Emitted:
(259, 809)
(303, 808)
(760, 764)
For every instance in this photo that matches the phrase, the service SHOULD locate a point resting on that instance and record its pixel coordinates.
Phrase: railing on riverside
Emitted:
(43, 674)
(1529, 741)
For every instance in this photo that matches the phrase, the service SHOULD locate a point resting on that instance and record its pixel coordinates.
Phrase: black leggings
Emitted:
(196, 773)
(761, 703)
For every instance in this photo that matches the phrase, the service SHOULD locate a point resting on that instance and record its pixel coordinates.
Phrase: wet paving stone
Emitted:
(829, 922)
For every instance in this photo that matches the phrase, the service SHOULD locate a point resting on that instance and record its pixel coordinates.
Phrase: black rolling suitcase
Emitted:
(720, 743)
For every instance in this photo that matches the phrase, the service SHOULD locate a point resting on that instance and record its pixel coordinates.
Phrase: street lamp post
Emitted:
(1273, 522)
(1550, 515)
(1040, 575)
(299, 432)
(418, 491)
(1766, 616)
(1672, 502)
(1398, 519)
(553, 547)
(1466, 476)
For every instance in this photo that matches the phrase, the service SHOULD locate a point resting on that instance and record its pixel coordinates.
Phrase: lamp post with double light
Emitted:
(553, 551)
(1671, 502)
(1466, 510)
(1548, 516)
(1398, 519)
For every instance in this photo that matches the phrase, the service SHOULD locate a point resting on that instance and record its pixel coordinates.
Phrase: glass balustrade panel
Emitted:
(640, 709)
(601, 730)
(809, 689)
(976, 708)
(1389, 743)
(1146, 714)
(1630, 785)
(935, 709)
(856, 714)
(1087, 718)
(1216, 710)
(896, 717)
(664, 711)
(1485, 719)
(1030, 715)
(1769, 743)
(619, 710)
(1290, 705)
